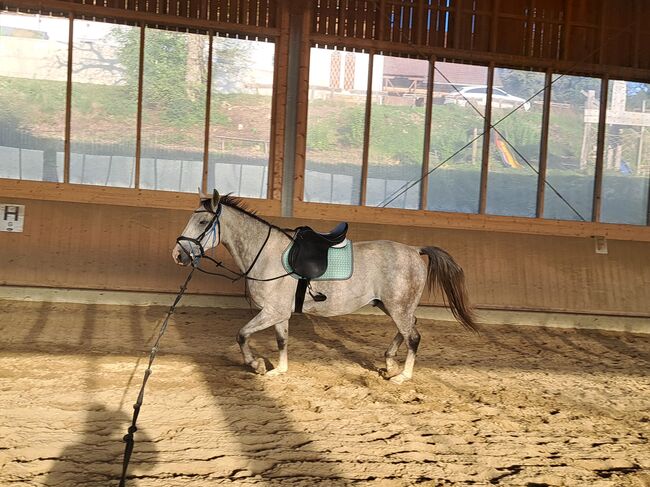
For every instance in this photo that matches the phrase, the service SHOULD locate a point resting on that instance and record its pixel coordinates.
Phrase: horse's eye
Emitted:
(204, 222)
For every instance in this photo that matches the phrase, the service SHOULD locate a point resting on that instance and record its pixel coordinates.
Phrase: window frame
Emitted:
(295, 206)
(269, 34)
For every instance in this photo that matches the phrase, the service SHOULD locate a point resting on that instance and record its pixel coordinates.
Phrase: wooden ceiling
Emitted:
(580, 32)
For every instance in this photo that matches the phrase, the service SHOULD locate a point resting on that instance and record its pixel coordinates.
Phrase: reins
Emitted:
(213, 227)
(128, 438)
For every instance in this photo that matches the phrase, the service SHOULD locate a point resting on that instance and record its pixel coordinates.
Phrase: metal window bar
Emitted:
(543, 148)
(485, 157)
(68, 104)
(600, 150)
(138, 123)
(366, 134)
(208, 102)
(424, 185)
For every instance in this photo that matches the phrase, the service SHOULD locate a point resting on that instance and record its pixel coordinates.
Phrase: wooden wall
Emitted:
(94, 246)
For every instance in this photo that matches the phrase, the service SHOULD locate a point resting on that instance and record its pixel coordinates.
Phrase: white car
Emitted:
(478, 94)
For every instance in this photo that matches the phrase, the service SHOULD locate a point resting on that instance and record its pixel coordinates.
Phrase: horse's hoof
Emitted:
(275, 372)
(258, 366)
(389, 373)
(399, 379)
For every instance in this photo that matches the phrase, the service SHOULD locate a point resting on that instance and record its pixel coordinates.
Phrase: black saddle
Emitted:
(308, 255)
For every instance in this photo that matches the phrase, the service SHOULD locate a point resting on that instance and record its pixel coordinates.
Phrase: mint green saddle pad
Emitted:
(339, 263)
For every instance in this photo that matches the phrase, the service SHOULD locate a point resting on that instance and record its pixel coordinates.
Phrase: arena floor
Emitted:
(517, 406)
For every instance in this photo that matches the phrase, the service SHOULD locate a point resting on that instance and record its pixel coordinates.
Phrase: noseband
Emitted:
(213, 226)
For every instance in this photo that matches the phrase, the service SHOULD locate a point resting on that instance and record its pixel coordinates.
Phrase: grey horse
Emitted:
(390, 275)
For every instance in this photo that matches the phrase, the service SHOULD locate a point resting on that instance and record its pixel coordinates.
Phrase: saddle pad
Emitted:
(339, 263)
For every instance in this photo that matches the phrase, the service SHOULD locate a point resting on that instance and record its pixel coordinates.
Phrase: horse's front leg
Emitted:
(263, 320)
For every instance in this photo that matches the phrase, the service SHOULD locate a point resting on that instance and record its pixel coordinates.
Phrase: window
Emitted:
(240, 116)
(335, 126)
(397, 119)
(33, 73)
(104, 103)
(572, 140)
(515, 142)
(173, 110)
(626, 165)
(456, 137)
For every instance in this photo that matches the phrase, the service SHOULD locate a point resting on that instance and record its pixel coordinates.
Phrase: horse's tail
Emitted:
(444, 271)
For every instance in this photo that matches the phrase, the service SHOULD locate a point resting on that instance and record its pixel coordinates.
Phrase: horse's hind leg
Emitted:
(406, 326)
(392, 367)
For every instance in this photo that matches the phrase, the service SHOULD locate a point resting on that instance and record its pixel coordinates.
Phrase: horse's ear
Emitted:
(215, 200)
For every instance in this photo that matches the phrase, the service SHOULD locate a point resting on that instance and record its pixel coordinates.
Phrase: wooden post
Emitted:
(295, 122)
(208, 103)
(485, 157)
(278, 108)
(138, 123)
(366, 134)
(600, 151)
(424, 183)
(68, 104)
(543, 147)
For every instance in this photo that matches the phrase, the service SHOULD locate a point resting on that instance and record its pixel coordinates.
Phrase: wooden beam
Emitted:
(494, 26)
(602, 32)
(421, 10)
(302, 106)
(600, 150)
(138, 120)
(485, 157)
(79, 193)
(366, 134)
(208, 103)
(514, 61)
(457, 22)
(424, 183)
(469, 221)
(638, 23)
(151, 17)
(565, 39)
(543, 147)
(68, 103)
(278, 107)
(110, 195)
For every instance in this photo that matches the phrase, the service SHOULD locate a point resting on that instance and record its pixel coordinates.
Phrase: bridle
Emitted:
(213, 227)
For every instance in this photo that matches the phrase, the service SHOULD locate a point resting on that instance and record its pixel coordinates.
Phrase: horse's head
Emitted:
(202, 232)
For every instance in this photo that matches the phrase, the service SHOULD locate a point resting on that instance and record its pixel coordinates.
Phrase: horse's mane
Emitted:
(238, 204)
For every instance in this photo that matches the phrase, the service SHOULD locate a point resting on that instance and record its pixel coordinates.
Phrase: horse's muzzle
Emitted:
(182, 253)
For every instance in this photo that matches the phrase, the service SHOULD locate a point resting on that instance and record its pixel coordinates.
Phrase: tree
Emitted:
(169, 88)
